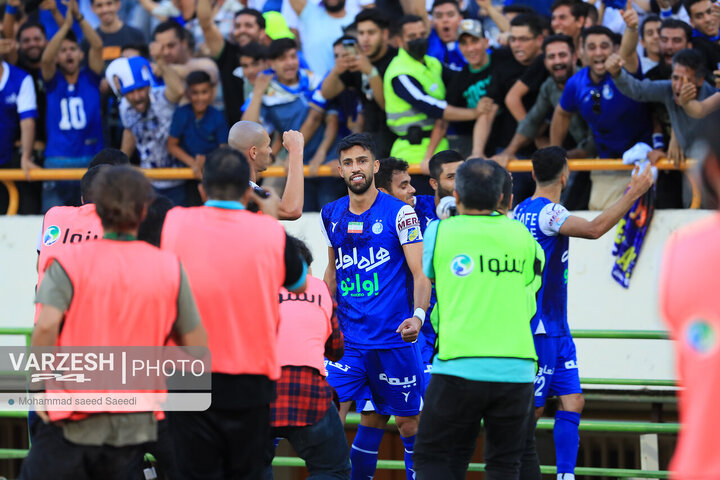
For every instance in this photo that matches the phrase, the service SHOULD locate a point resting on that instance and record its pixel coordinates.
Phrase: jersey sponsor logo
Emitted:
(413, 234)
(700, 336)
(408, 220)
(374, 259)
(51, 235)
(339, 366)
(462, 265)
(355, 227)
(377, 227)
(397, 382)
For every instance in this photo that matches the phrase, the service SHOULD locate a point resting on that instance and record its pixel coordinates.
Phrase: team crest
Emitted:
(377, 228)
(51, 235)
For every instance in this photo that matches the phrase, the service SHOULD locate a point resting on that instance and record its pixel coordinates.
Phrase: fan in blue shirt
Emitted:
(443, 39)
(375, 269)
(17, 106)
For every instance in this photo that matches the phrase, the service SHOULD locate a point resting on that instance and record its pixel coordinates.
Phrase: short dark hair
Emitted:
(279, 46)
(388, 166)
(646, 20)
(343, 38)
(226, 174)
(578, 8)
(120, 194)
(689, 3)
(255, 13)
(519, 9)
(693, 60)
(440, 159)
(254, 50)
(567, 39)
(479, 184)
(86, 182)
(592, 13)
(150, 230)
(405, 19)
(548, 164)
(27, 26)
(675, 23)
(437, 3)
(596, 30)
(197, 77)
(507, 189)
(301, 247)
(142, 48)
(109, 156)
(168, 25)
(374, 15)
(530, 20)
(363, 140)
(71, 37)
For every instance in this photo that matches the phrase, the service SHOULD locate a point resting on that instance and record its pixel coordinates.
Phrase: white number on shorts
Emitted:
(540, 382)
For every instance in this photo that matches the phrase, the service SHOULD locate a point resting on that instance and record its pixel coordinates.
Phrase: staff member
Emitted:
(237, 294)
(485, 364)
(114, 291)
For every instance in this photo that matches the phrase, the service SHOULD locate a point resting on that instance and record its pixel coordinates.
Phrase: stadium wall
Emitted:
(596, 301)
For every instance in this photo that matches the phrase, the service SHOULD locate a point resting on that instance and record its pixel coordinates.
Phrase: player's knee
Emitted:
(373, 420)
(572, 403)
(407, 426)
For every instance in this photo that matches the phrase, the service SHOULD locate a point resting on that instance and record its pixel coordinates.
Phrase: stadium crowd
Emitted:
(227, 91)
(163, 81)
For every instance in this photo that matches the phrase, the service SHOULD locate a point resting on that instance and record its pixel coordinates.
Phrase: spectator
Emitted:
(303, 411)
(415, 98)
(650, 41)
(568, 18)
(197, 128)
(146, 114)
(470, 86)
(114, 33)
(364, 75)
(541, 7)
(223, 17)
(253, 60)
(443, 39)
(17, 97)
(510, 64)
(287, 99)
(494, 22)
(248, 26)
(73, 122)
(667, 9)
(675, 35)
(688, 68)
(705, 20)
(172, 40)
(560, 61)
(616, 121)
(317, 42)
(242, 329)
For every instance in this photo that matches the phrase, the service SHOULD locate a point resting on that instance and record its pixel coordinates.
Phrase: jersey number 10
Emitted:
(73, 114)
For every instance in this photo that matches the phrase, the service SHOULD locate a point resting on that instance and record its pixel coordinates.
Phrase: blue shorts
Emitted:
(394, 377)
(427, 350)
(557, 368)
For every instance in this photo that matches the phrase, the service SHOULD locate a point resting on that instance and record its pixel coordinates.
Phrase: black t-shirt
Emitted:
(113, 43)
(232, 85)
(710, 50)
(375, 118)
(536, 74)
(467, 88)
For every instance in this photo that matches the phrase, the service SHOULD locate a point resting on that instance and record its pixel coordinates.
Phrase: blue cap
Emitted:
(132, 73)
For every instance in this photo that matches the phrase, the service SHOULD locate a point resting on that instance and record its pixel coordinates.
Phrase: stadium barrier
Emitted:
(647, 430)
(10, 176)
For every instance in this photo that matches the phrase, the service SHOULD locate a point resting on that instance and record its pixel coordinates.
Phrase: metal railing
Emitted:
(10, 176)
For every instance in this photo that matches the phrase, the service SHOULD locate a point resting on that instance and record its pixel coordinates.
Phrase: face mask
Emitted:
(417, 48)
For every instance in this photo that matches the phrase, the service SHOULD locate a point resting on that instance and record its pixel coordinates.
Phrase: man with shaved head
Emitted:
(253, 141)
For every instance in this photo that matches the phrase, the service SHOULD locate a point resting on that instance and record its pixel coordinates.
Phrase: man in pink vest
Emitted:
(303, 411)
(691, 309)
(237, 261)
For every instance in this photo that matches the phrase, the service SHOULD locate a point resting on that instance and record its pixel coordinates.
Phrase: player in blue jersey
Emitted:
(552, 225)
(73, 121)
(375, 269)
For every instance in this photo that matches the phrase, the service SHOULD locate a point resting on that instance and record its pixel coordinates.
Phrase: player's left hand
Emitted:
(409, 329)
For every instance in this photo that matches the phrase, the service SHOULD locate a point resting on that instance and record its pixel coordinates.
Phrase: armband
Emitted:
(12, 10)
(420, 313)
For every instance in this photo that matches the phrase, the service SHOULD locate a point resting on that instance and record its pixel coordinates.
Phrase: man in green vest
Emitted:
(487, 269)
(415, 98)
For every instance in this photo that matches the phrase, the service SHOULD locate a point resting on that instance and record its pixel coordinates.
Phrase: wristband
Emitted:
(658, 141)
(666, 12)
(11, 9)
(420, 313)
(373, 73)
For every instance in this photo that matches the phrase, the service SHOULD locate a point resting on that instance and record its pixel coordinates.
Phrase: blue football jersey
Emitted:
(374, 284)
(544, 219)
(17, 102)
(425, 209)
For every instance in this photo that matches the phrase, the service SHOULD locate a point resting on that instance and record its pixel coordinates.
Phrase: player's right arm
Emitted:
(329, 276)
(47, 61)
(579, 227)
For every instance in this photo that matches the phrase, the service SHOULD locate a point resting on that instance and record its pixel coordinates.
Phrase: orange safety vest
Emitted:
(124, 294)
(692, 311)
(305, 325)
(235, 263)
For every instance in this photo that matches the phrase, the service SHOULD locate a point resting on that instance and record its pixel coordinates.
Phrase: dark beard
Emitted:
(336, 8)
(27, 59)
(359, 189)
(442, 193)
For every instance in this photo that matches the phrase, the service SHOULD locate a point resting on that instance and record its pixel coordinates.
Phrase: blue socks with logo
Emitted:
(408, 443)
(567, 440)
(364, 452)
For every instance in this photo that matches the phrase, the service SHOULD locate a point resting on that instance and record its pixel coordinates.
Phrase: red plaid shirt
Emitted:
(303, 394)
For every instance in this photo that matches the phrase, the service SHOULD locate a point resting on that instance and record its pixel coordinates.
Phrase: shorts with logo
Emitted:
(393, 376)
(427, 350)
(557, 368)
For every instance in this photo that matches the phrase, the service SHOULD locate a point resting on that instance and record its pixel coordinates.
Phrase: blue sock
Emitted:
(408, 442)
(364, 452)
(567, 440)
